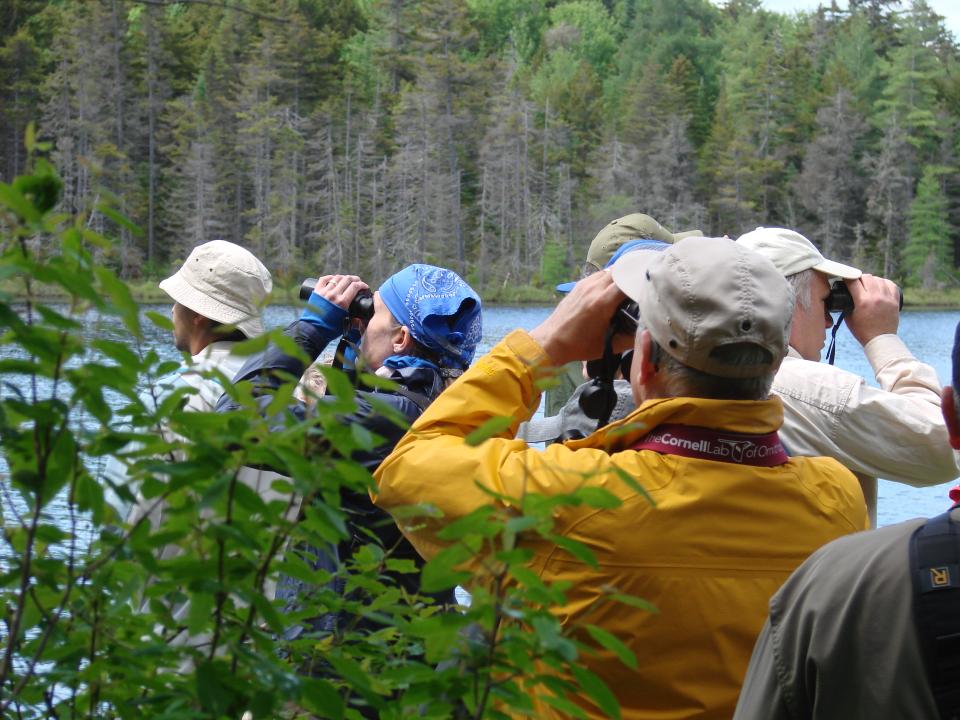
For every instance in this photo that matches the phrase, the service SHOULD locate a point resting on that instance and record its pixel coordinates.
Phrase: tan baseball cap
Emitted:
(792, 253)
(224, 282)
(635, 226)
(702, 294)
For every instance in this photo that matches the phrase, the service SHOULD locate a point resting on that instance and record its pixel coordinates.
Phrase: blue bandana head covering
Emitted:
(441, 310)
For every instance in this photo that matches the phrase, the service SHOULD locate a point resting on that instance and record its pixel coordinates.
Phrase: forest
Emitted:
(491, 136)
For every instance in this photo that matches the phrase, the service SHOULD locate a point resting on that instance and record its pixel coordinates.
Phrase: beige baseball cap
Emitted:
(224, 282)
(635, 226)
(792, 253)
(702, 294)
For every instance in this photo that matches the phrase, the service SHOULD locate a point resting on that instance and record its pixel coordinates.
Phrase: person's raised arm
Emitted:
(432, 464)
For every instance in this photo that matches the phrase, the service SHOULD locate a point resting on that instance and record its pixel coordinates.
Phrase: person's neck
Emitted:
(199, 344)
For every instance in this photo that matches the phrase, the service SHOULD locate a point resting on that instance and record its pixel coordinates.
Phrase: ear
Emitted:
(402, 340)
(948, 406)
(648, 368)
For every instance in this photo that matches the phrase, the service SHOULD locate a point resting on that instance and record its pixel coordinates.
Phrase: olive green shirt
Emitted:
(840, 642)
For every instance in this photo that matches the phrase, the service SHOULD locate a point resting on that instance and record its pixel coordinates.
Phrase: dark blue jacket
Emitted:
(273, 367)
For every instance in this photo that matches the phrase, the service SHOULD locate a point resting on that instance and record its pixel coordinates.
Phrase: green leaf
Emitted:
(597, 497)
(632, 483)
(565, 706)
(338, 383)
(89, 496)
(214, 695)
(597, 691)
(161, 321)
(353, 673)
(50, 534)
(634, 601)
(580, 551)
(269, 613)
(614, 645)
(120, 220)
(440, 573)
(480, 523)
(440, 634)
(200, 612)
(491, 428)
(12, 198)
(122, 299)
(322, 698)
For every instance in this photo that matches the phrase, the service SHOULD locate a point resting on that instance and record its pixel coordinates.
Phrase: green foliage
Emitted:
(926, 257)
(587, 30)
(554, 269)
(362, 135)
(504, 23)
(169, 613)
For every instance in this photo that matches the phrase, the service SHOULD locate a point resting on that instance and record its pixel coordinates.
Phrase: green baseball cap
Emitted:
(635, 226)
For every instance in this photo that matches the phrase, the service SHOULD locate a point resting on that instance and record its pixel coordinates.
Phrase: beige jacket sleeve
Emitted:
(894, 432)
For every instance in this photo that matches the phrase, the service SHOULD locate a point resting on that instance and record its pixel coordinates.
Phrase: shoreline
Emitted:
(148, 292)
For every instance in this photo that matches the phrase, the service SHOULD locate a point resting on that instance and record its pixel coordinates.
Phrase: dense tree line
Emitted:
(492, 136)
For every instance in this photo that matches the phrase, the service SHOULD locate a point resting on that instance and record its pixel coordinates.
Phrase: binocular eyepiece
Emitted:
(840, 300)
(626, 318)
(361, 307)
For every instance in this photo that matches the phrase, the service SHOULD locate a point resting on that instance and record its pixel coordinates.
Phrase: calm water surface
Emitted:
(928, 334)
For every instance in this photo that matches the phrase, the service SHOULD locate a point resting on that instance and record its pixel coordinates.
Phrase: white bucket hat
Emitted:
(791, 252)
(224, 282)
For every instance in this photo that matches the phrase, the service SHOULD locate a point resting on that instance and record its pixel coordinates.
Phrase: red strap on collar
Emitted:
(708, 444)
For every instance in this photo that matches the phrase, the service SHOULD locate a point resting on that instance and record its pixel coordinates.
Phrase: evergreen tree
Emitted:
(188, 199)
(854, 63)
(21, 75)
(85, 115)
(363, 134)
(910, 93)
(730, 168)
(927, 256)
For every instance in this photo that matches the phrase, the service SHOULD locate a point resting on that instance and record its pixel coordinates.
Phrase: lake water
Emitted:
(928, 333)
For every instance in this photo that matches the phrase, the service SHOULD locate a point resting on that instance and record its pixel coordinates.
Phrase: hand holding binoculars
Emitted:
(840, 300)
(361, 307)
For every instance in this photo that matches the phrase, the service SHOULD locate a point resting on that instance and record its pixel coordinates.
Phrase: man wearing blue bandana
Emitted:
(425, 327)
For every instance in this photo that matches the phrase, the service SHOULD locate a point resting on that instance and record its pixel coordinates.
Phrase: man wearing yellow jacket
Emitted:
(731, 515)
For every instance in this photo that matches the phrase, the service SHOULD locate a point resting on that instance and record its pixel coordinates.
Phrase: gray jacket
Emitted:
(840, 642)
(572, 419)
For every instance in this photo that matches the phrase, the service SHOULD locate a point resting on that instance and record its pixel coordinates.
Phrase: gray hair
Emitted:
(685, 381)
(801, 283)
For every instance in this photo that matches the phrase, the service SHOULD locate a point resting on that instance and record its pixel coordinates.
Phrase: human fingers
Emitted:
(340, 289)
(876, 307)
(576, 327)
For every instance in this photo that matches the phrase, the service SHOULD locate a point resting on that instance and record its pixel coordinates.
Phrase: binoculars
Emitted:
(361, 307)
(839, 300)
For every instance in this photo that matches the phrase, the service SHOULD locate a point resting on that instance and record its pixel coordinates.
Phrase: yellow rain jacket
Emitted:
(719, 541)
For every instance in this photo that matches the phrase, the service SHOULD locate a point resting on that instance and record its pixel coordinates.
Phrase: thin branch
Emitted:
(221, 559)
(278, 542)
(53, 620)
(25, 575)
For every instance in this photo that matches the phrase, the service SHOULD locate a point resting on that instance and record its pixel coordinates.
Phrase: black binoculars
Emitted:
(361, 307)
(841, 301)
(626, 318)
